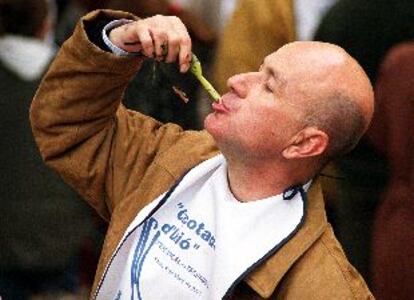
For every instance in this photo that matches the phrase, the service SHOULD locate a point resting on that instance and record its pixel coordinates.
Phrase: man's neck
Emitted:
(250, 181)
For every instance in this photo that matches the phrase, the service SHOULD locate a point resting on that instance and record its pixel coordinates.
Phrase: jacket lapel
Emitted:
(266, 277)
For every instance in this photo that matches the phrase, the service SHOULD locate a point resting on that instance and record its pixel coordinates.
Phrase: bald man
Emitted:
(231, 212)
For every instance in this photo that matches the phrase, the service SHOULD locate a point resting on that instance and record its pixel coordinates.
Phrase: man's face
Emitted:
(257, 116)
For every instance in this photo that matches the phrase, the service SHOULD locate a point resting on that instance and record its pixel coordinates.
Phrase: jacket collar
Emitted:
(266, 277)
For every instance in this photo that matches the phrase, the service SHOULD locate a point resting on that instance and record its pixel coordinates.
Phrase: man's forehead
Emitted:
(275, 63)
(269, 60)
(304, 59)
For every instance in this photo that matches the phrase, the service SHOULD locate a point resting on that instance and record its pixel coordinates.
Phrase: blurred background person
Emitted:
(69, 12)
(367, 30)
(43, 223)
(392, 251)
(215, 13)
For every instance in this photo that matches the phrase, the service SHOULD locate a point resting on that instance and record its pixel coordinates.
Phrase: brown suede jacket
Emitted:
(120, 160)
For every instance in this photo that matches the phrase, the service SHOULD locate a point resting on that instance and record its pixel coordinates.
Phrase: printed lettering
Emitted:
(212, 242)
(182, 216)
(200, 227)
(166, 228)
(192, 224)
(185, 244)
(206, 235)
(176, 236)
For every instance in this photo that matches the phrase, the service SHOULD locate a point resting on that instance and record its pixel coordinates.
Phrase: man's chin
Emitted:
(213, 126)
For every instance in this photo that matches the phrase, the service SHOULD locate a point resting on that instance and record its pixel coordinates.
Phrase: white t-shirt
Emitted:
(197, 241)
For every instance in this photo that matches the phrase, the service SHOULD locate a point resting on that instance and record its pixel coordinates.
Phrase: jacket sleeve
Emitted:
(82, 130)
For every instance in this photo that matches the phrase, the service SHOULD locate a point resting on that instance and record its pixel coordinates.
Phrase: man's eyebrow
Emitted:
(277, 76)
(272, 71)
(279, 79)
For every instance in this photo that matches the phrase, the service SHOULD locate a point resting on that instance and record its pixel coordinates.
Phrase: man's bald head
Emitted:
(330, 88)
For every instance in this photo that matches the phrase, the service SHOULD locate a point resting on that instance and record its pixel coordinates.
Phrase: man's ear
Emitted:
(306, 143)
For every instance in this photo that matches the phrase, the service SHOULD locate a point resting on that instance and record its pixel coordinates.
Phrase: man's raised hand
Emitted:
(151, 36)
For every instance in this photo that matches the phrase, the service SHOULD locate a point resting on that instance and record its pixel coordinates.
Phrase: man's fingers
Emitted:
(160, 43)
(153, 36)
(184, 49)
(173, 47)
(124, 37)
(184, 58)
(144, 36)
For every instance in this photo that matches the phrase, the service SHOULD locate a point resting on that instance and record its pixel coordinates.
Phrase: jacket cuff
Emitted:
(113, 48)
(87, 42)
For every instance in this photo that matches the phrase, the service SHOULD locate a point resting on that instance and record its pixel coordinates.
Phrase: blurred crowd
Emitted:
(49, 239)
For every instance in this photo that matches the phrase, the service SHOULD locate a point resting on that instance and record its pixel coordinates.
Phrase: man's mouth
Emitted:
(220, 107)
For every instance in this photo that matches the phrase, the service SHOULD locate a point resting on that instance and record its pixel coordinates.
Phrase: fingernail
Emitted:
(184, 67)
(148, 51)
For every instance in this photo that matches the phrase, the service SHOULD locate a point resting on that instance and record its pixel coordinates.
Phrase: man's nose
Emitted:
(241, 83)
